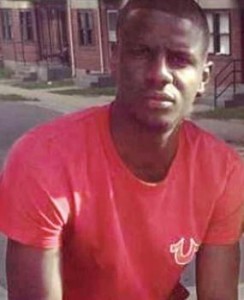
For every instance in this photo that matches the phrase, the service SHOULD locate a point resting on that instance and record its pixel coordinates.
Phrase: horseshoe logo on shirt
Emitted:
(177, 249)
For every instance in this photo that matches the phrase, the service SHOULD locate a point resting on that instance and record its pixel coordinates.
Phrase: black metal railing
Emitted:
(229, 76)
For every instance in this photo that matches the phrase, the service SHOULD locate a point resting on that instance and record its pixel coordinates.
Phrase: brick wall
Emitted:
(52, 31)
(236, 46)
(15, 49)
(87, 58)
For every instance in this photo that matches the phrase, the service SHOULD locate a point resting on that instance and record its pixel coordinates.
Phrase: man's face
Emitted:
(159, 66)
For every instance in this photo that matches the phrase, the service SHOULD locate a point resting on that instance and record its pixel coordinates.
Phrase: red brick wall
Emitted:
(52, 34)
(86, 57)
(236, 45)
(89, 57)
(16, 50)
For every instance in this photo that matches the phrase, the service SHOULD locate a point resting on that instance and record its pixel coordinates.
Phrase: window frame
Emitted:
(7, 24)
(216, 34)
(111, 32)
(26, 22)
(85, 22)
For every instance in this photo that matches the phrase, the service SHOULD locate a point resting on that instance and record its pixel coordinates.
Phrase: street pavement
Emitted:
(17, 117)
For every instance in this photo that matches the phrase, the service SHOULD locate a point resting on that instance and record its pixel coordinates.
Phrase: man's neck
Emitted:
(147, 152)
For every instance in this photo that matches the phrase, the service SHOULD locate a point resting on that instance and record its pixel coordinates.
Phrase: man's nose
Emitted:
(159, 72)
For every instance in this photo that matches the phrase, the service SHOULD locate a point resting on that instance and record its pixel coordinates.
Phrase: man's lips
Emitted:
(161, 100)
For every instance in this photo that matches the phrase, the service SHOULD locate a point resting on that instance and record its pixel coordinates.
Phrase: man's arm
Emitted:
(33, 273)
(217, 272)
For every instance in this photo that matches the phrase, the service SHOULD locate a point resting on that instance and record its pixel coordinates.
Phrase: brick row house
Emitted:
(76, 36)
(225, 19)
(34, 37)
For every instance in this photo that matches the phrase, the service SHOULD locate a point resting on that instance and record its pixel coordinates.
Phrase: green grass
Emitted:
(222, 113)
(15, 97)
(45, 85)
(106, 91)
(5, 73)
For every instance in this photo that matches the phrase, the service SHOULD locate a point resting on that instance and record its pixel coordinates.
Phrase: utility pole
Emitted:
(71, 40)
(100, 33)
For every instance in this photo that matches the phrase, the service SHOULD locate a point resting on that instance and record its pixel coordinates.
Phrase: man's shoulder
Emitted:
(207, 145)
(68, 123)
(64, 134)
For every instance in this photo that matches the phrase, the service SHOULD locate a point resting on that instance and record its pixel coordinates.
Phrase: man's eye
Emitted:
(178, 60)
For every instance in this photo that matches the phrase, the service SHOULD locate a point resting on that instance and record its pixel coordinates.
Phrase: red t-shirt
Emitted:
(64, 185)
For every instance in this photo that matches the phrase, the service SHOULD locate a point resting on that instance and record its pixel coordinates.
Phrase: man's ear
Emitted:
(206, 74)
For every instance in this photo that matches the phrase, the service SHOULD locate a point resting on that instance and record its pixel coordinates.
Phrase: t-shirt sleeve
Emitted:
(226, 221)
(34, 206)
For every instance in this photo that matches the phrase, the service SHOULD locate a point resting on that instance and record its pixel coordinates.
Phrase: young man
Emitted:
(112, 203)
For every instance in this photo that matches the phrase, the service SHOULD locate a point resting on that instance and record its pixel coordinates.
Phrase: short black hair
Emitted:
(188, 9)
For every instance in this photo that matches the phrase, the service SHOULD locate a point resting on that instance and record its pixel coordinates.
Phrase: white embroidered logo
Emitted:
(177, 249)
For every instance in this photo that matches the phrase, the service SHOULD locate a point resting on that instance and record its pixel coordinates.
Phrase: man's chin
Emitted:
(158, 124)
(161, 123)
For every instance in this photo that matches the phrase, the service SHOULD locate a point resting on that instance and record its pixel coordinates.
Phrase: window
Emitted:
(6, 19)
(219, 25)
(112, 16)
(26, 26)
(85, 28)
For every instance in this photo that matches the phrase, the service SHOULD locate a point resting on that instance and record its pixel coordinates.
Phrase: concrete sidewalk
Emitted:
(52, 101)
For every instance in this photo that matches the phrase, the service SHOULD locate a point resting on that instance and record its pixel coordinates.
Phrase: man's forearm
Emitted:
(33, 274)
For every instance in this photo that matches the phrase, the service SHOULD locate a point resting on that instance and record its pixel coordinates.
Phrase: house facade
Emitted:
(224, 17)
(34, 38)
(79, 34)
